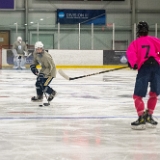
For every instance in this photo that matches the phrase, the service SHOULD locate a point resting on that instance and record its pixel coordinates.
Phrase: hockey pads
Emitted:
(134, 68)
(40, 79)
(34, 69)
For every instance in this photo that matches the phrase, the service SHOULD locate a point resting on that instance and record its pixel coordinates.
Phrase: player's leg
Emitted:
(23, 62)
(153, 94)
(39, 91)
(140, 91)
(151, 104)
(15, 62)
(139, 105)
(19, 61)
(15, 59)
(48, 89)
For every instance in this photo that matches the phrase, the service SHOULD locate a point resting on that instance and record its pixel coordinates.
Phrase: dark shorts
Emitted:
(42, 85)
(147, 75)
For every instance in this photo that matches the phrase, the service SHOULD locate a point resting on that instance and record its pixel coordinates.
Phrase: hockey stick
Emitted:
(73, 78)
(46, 104)
(29, 55)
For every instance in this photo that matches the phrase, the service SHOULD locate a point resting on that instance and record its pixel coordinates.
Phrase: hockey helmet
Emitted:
(142, 28)
(39, 44)
(19, 39)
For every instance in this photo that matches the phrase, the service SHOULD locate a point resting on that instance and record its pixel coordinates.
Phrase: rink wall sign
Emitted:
(6, 4)
(114, 57)
(70, 16)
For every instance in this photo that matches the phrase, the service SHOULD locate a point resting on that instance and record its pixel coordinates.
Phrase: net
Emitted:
(7, 57)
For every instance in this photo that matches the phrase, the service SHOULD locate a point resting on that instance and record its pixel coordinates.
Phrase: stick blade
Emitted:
(63, 74)
(46, 104)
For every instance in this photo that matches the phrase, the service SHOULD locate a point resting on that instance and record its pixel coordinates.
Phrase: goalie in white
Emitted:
(20, 52)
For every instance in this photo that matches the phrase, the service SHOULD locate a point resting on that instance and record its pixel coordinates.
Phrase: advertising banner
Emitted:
(6, 4)
(69, 16)
(113, 57)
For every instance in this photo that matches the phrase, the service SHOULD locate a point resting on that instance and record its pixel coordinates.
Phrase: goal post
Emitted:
(7, 57)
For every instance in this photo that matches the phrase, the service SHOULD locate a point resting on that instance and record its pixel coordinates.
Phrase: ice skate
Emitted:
(52, 95)
(150, 122)
(139, 124)
(23, 67)
(15, 67)
(37, 99)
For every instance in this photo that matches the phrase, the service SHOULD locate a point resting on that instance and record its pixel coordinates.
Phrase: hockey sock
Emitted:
(139, 104)
(152, 101)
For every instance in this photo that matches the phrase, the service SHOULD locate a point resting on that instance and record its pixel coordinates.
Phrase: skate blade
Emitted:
(46, 104)
(148, 125)
(139, 127)
(37, 100)
(53, 97)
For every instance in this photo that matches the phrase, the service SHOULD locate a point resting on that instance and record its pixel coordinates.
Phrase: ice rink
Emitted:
(89, 119)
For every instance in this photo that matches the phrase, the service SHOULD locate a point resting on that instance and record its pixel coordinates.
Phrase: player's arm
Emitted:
(33, 66)
(131, 56)
(156, 42)
(34, 69)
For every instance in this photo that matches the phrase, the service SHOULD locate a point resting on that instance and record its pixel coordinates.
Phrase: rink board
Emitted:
(75, 58)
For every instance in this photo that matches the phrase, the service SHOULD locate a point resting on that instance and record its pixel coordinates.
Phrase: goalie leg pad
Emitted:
(16, 62)
(23, 62)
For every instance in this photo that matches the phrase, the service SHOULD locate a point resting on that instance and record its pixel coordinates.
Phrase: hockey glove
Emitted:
(134, 68)
(129, 65)
(40, 79)
(19, 57)
(34, 69)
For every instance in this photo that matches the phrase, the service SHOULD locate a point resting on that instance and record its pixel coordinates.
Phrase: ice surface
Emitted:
(89, 119)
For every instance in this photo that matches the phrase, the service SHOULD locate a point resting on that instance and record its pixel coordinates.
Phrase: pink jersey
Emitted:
(141, 49)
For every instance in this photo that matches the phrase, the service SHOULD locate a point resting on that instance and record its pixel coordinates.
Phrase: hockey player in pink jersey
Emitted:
(143, 55)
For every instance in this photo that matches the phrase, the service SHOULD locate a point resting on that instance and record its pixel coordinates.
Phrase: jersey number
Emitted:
(147, 50)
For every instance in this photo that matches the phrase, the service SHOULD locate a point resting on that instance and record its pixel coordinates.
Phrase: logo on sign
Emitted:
(123, 59)
(61, 14)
